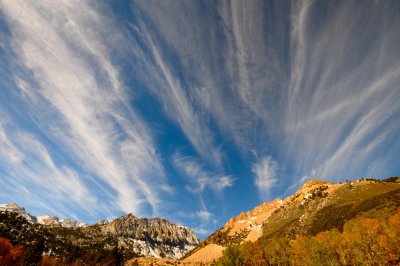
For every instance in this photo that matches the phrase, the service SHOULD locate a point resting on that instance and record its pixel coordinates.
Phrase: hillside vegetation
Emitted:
(362, 241)
(349, 223)
(40, 245)
(354, 223)
(29, 243)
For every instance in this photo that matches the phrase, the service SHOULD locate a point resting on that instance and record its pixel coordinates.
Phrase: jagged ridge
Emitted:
(130, 235)
(316, 207)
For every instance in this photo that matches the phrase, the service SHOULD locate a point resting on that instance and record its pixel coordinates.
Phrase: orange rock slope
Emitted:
(252, 221)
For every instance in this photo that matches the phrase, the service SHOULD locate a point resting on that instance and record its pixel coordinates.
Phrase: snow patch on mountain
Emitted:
(154, 237)
(42, 219)
(12, 207)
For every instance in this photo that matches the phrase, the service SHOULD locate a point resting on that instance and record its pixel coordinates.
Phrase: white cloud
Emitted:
(175, 98)
(30, 167)
(222, 182)
(229, 78)
(265, 175)
(349, 97)
(8, 151)
(323, 94)
(83, 102)
(198, 176)
(202, 231)
(204, 215)
(284, 80)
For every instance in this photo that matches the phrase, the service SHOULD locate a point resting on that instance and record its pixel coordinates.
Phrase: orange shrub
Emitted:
(9, 255)
(300, 252)
(395, 219)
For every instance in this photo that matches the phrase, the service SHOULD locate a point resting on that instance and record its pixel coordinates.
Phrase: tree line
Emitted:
(363, 241)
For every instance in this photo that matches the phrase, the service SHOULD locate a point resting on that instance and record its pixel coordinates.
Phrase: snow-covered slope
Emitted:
(54, 220)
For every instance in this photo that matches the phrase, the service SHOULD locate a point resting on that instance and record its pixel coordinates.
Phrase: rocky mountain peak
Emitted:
(48, 220)
(55, 221)
(154, 237)
(153, 230)
(12, 207)
(251, 221)
(101, 222)
(42, 219)
(311, 189)
(128, 216)
(315, 207)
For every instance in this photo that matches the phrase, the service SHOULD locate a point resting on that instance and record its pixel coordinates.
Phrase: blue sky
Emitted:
(192, 110)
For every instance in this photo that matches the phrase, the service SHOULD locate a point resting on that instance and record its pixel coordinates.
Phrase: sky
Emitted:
(192, 111)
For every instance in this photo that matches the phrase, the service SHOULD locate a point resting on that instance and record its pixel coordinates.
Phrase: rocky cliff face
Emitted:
(152, 237)
(55, 221)
(43, 219)
(130, 235)
(159, 230)
(17, 209)
(316, 207)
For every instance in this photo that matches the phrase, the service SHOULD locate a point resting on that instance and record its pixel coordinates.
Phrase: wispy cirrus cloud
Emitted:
(308, 86)
(265, 175)
(231, 72)
(31, 171)
(171, 89)
(83, 104)
(317, 92)
(199, 178)
(349, 87)
(206, 185)
(202, 231)
(204, 215)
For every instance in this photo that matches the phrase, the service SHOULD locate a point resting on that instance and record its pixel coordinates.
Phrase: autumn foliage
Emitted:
(364, 241)
(9, 255)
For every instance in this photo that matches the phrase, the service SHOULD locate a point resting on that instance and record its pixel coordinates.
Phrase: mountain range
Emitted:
(103, 242)
(319, 208)
(42, 219)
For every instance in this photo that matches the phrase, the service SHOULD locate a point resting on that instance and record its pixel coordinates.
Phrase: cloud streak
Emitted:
(315, 91)
(80, 87)
(31, 167)
(111, 92)
(348, 86)
(199, 177)
(167, 86)
(265, 178)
